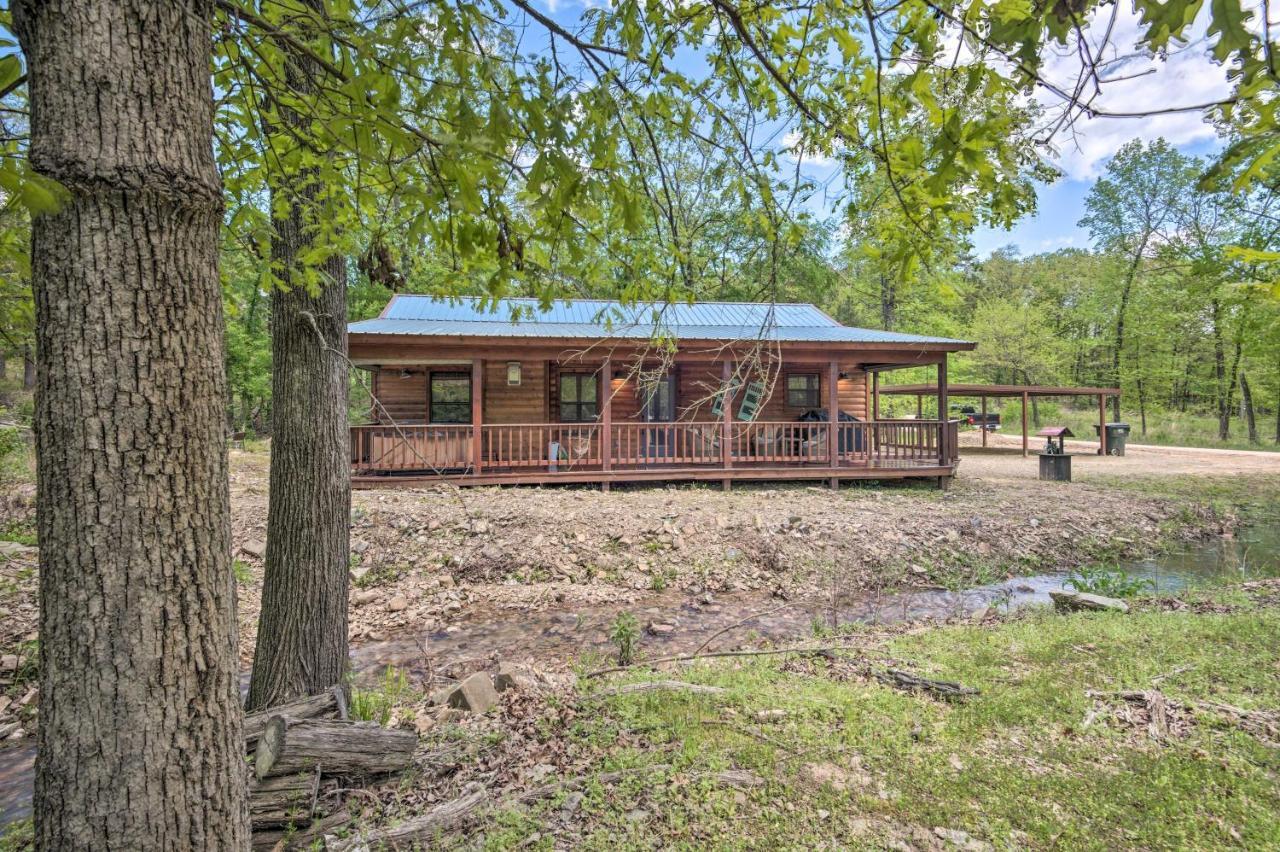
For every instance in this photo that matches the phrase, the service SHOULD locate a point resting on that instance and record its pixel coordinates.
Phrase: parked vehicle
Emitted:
(972, 417)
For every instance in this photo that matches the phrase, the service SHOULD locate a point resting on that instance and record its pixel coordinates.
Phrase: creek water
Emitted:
(567, 635)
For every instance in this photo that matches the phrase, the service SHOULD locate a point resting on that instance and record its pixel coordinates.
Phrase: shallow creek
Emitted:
(564, 636)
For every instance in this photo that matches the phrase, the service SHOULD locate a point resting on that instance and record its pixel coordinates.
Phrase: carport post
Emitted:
(1102, 424)
(1024, 424)
(984, 422)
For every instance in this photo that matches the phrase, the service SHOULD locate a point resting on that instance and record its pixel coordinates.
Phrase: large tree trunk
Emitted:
(302, 633)
(140, 743)
(888, 302)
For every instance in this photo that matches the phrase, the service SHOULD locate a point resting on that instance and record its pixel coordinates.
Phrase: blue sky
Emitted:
(1133, 82)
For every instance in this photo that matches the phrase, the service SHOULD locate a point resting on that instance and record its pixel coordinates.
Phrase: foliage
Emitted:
(378, 704)
(1108, 582)
(624, 633)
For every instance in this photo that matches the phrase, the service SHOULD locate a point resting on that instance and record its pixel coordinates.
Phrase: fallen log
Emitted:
(651, 685)
(332, 702)
(333, 746)
(915, 683)
(286, 839)
(412, 833)
(287, 800)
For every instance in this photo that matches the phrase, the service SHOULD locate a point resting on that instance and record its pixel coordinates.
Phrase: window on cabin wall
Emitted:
(579, 398)
(803, 390)
(450, 398)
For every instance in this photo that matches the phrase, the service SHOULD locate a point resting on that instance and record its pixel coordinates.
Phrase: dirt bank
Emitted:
(425, 558)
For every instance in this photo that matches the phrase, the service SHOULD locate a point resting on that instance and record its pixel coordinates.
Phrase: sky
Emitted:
(1132, 82)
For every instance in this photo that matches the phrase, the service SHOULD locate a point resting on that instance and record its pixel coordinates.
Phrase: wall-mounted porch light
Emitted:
(513, 372)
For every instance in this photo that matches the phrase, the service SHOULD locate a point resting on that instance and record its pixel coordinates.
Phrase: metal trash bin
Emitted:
(1117, 435)
(1055, 467)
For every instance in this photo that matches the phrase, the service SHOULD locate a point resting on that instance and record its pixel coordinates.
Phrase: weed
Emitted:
(623, 633)
(1109, 582)
(241, 570)
(377, 704)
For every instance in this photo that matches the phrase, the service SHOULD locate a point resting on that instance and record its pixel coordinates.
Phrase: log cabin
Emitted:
(486, 392)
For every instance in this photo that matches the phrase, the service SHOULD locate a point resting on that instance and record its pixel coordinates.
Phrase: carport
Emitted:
(985, 392)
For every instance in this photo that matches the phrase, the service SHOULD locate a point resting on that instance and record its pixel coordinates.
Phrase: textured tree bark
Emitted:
(28, 369)
(1246, 402)
(140, 743)
(335, 747)
(301, 645)
(289, 800)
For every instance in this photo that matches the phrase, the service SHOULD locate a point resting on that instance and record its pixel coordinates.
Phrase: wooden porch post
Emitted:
(726, 422)
(833, 418)
(944, 452)
(1024, 424)
(1102, 424)
(919, 406)
(875, 396)
(606, 419)
(984, 422)
(477, 413)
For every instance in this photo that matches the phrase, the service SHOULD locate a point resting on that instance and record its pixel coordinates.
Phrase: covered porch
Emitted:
(514, 418)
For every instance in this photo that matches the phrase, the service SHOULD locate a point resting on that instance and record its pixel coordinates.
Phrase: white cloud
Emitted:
(1133, 82)
(796, 150)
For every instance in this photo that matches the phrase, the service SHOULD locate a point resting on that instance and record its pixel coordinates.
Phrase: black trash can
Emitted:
(1117, 435)
(1055, 467)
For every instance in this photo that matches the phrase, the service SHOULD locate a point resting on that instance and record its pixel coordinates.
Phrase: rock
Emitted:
(1066, 601)
(1033, 523)
(17, 734)
(740, 778)
(446, 581)
(398, 604)
(359, 546)
(476, 694)
(9, 663)
(480, 527)
(514, 676)
(5, 702)
(773, 715)
(961, 840)
(364, 597)
(7, 729)
(571, 804)
(255, 548)
(658, 628)
(13, 548)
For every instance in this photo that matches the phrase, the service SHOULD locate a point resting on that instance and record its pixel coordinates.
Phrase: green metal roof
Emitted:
(428, 316)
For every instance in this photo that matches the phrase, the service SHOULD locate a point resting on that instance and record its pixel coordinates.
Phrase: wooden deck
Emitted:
(543, 453)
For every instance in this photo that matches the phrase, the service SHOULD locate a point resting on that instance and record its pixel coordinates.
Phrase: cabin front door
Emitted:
(660, 408)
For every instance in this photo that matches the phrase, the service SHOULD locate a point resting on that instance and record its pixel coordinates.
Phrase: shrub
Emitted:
(624, 633)
(377, 704)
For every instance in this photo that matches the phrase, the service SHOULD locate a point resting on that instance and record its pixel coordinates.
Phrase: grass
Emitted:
(1014, 766)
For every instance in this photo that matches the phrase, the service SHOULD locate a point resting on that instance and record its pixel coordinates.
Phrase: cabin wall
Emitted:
(403, 392)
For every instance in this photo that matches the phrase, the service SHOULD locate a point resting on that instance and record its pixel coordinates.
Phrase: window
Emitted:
(802, 391)
(579, 397)
(450, 398)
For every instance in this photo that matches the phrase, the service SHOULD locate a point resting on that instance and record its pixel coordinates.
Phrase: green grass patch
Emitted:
(1014, 765)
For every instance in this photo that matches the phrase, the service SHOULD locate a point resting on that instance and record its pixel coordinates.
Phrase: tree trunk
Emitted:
(28, 361)
(1220, 372)
(4, 366)
(140, 743)
(888, 303)
(1246, 400)
(1120, 320)
(302, 633)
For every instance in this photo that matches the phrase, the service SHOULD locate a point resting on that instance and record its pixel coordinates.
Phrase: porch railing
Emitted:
(557, 447)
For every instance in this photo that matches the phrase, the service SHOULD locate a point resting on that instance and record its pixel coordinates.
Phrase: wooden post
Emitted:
(606, 417)
(477, 413)
(984, 422)
(833, 417)
(944, 414)
(875, 397)
(919, 406)
(1102, 424)
(726, 422)
(1024, 424)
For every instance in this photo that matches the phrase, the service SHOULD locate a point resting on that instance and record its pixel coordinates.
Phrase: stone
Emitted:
(480, 527)
(359, 546)
(254, 548)
(514, 676)
(398, 604)
(9, 663)
(476, 694)
(364, 597)
(14, 548)
(571, 804)
(7, 729)
(740, 778)
(961, 840)
(1067, 601)
(774, 715)
(5, 703)
(658, 628)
